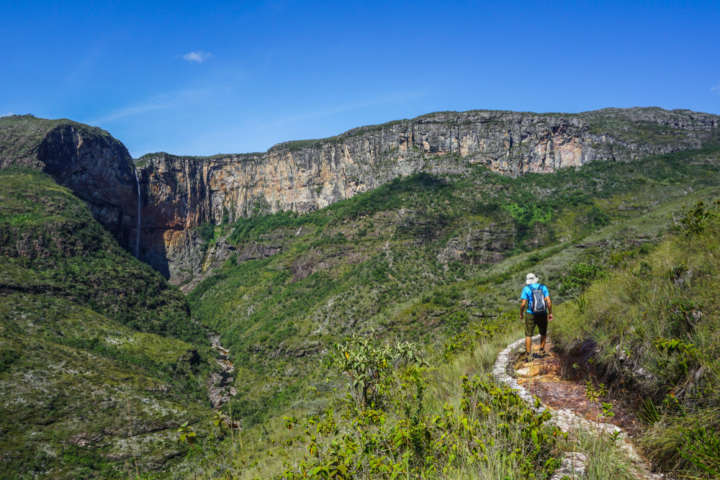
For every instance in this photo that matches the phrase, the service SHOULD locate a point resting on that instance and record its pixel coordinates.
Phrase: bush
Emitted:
(206, 232)
(578, 278)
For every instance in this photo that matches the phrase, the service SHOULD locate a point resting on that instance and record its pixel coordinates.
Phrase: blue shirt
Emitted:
(527, 293)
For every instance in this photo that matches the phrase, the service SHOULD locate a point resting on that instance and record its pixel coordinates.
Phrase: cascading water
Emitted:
(139, 209)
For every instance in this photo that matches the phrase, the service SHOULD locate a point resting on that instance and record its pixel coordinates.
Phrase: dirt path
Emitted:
(543, 378)
(569, 404)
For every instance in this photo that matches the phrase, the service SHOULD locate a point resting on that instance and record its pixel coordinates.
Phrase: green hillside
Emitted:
(363, 334)
(99, 358)
(655, 322)
(406, 260)
(437, 261)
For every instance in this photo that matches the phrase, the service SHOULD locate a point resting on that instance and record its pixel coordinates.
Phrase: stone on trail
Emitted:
(529, 371)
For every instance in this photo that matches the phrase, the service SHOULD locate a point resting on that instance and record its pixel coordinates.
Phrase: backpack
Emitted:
(537, 300)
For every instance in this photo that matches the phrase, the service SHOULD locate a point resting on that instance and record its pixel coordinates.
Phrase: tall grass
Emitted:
(460, 426)
(655, 321)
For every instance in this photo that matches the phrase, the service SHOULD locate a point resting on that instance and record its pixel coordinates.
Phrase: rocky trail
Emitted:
(573, 406)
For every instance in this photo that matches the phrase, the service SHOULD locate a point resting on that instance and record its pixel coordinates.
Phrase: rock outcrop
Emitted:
(89, 161)
(180, 193)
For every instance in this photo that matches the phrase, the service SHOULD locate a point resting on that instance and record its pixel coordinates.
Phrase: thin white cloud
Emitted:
(395, 97)
(197, 56)
(82, 69)
(131, 110)
(157, 102)
(8, 114)
(715, 89)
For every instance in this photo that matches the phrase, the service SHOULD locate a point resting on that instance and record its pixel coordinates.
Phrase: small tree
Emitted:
(367, 365)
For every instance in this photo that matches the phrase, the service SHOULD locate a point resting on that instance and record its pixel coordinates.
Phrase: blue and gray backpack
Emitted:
(537, 299)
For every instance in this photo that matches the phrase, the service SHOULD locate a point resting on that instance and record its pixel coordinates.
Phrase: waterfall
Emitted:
(139, 213)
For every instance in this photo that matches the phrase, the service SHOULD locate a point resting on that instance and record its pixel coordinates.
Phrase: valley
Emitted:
(333, 308)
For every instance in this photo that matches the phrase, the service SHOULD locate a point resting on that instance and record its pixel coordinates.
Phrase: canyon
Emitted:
(416, 230)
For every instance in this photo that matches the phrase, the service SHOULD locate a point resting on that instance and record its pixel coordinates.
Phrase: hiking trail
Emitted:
(569, 405)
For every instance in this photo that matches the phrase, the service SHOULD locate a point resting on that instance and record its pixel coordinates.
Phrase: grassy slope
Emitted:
(374, 265)
(96, 362)
(655, 321)
(374, 262)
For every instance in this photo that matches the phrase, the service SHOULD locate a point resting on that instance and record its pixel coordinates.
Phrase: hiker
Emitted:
(535, 309)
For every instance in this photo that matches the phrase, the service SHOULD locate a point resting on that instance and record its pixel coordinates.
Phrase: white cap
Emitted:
(530, 278)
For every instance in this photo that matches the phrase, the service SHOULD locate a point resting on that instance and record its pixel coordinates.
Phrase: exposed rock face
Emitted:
(487, 244)
(89, 161)
(182, 192)
(99, 170)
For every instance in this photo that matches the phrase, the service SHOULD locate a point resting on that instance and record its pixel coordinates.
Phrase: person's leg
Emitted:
(529, 327)
(542, 324)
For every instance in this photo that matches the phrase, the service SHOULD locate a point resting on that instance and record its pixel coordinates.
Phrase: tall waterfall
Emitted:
(139, 213)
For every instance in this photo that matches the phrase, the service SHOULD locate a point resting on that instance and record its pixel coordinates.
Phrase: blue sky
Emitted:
(211, 77)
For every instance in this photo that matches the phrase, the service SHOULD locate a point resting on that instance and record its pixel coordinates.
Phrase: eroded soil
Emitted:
(543, 378)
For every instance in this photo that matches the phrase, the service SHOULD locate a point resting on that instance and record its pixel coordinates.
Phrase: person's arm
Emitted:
(548, 302)
(523, 302)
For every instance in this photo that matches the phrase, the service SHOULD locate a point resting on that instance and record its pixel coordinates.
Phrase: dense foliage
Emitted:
(491, 432)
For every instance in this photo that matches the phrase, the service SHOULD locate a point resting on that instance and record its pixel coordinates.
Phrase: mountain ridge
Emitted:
(179, 194)
(368, 127)
(305, 175)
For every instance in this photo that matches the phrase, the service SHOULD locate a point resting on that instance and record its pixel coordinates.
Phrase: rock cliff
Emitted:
(180, 193)
(89, 161)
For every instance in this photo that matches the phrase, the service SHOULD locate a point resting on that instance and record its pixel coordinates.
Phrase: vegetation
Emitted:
(97, 366)
(363, 334)
(51, 243)
(21, 135)
(492, 433)
(655, 322)
(409, 259)
(429, 260)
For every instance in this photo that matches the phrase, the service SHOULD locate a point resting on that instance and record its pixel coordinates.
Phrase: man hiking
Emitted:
(535, 309)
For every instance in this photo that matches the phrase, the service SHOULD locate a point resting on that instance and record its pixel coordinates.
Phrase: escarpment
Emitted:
(180, 193)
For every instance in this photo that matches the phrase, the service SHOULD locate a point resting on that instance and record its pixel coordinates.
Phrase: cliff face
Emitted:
(89, 161)
(180, 193)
